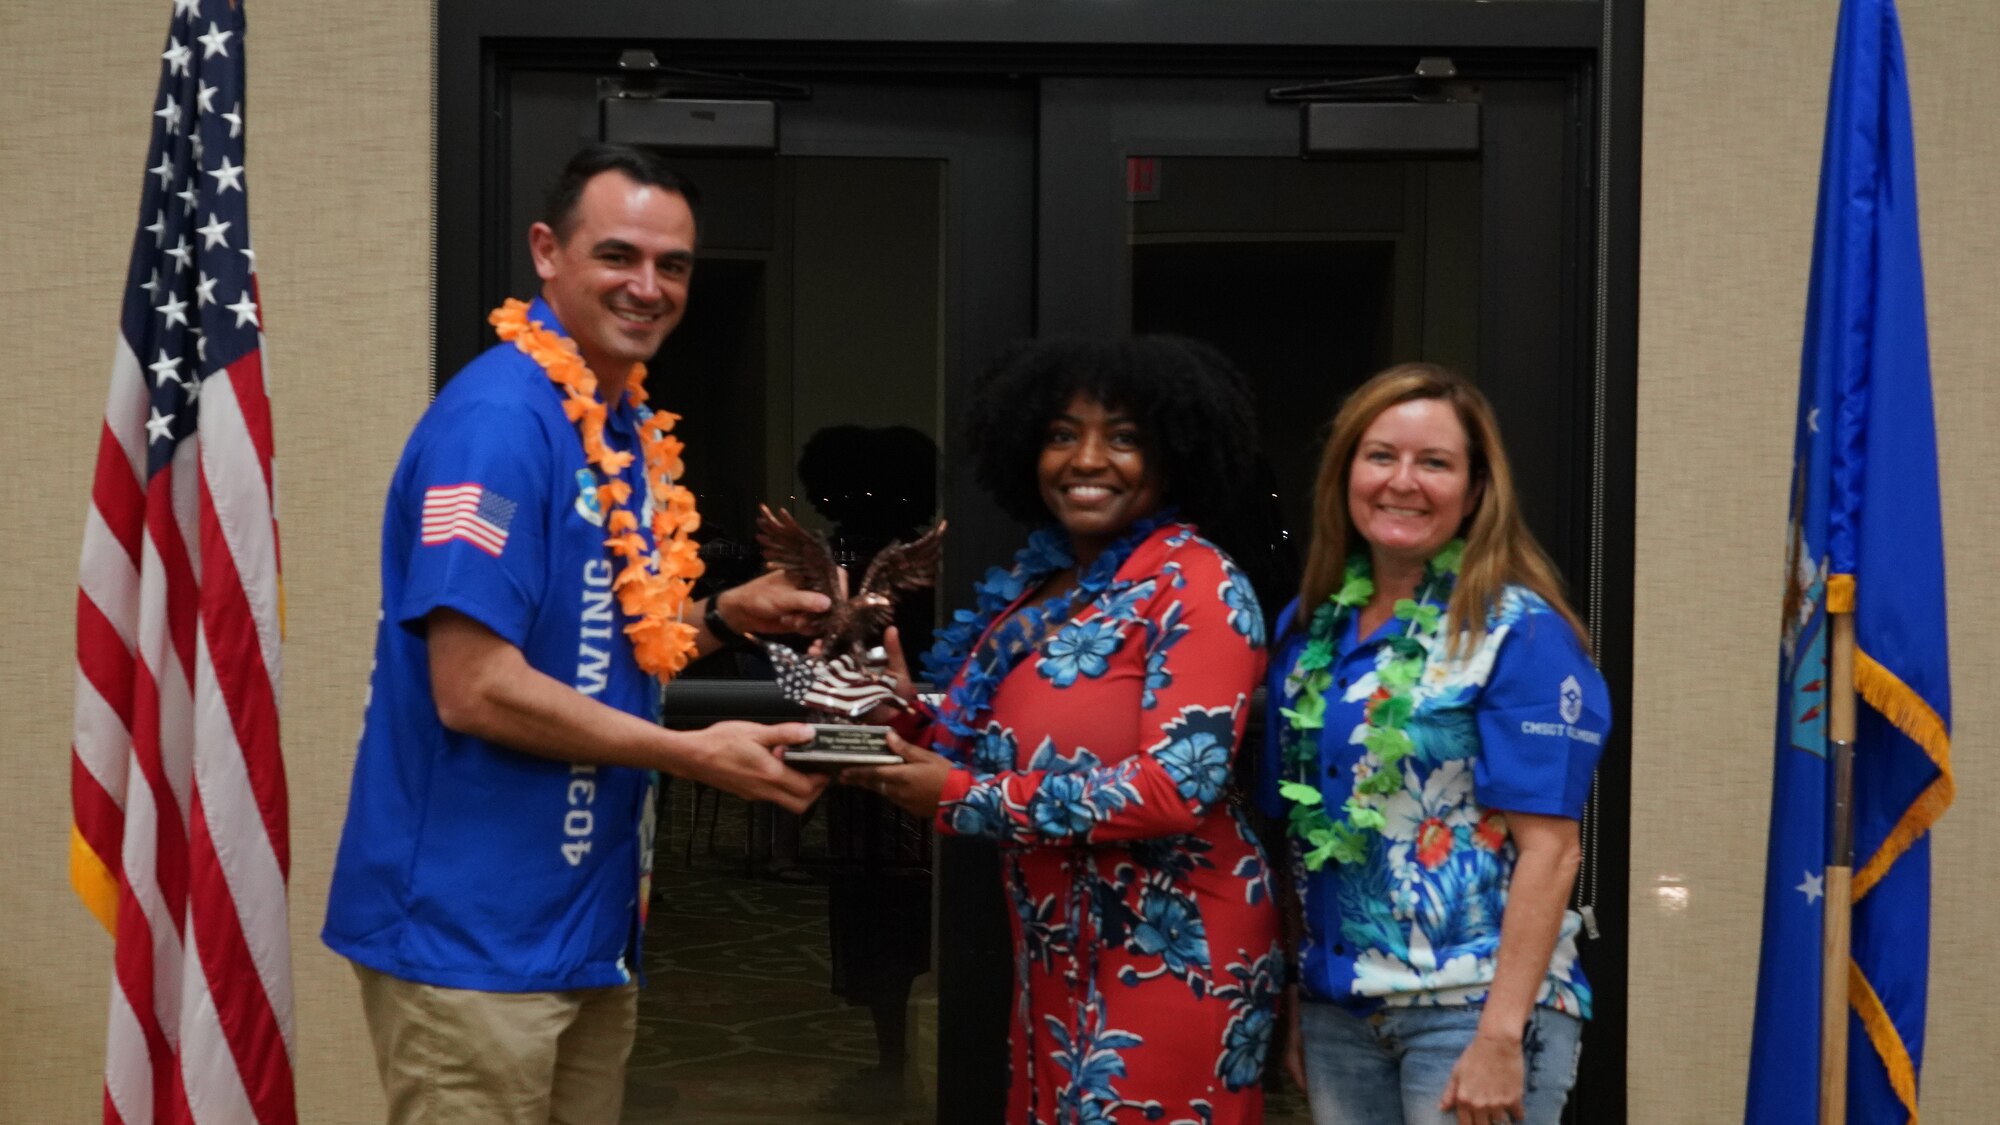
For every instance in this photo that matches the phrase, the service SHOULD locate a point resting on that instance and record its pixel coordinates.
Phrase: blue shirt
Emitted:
(1516, 723)
(464, 863)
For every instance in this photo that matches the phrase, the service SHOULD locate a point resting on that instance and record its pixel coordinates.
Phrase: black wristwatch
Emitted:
(711, 619)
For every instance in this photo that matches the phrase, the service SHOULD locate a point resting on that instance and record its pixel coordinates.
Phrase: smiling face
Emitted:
(618, 280)
(1410, 486)
(1093, 474)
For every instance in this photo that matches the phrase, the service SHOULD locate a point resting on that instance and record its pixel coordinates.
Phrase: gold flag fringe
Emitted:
(1908, 711)
(1911, 714)
(1882, 1033)
(93, 881)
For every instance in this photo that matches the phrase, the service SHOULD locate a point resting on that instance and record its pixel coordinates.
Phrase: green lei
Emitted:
(1379, 773)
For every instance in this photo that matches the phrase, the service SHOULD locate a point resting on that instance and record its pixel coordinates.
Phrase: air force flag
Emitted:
(1865, 538)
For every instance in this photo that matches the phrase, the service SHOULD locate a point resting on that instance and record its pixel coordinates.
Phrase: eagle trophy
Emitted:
(849, 675)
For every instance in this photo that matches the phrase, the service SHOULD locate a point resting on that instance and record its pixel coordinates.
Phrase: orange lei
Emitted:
(654, 586)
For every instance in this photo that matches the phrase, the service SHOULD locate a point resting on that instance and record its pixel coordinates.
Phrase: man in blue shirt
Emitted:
(488, 882)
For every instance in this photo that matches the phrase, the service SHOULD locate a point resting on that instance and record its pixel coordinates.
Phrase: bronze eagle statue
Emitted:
(844, 678)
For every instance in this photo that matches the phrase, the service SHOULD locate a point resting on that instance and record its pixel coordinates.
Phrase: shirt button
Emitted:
(1343, 681)
(1340, 949)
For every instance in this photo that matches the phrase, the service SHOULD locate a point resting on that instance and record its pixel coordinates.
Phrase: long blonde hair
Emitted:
(1499, 548)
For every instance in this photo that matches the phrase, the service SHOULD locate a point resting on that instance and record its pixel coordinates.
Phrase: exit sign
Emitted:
(1142, 178)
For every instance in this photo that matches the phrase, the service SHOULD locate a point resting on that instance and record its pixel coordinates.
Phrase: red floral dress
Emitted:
(1147, 955)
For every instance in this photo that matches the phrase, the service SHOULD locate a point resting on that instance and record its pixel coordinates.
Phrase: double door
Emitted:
(853, 282)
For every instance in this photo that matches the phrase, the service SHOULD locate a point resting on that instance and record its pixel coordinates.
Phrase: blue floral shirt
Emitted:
(1514, 724)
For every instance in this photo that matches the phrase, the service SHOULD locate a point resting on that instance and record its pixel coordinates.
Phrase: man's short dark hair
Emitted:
(640, 165)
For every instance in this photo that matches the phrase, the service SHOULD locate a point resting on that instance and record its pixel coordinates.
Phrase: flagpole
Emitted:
(1839, 875)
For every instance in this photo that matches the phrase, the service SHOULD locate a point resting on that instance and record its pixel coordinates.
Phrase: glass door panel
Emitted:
(1307, 310)
(808, 371)
(847, 288)
(790, 957)
(860, 277)
(1183, 205)
(1310, 276)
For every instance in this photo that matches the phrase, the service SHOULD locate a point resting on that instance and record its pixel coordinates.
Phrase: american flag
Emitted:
(841, 687)
(179, 841)
(478, 515)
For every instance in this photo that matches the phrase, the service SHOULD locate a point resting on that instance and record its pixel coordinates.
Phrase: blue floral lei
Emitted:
(1047, 551)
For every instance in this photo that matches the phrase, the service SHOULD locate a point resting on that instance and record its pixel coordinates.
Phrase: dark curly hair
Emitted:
(1196, 425)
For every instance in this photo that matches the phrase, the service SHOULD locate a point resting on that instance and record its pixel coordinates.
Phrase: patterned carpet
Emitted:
(736, 1023)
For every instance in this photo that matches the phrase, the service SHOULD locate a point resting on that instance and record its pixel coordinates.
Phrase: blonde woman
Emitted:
(1434, 721)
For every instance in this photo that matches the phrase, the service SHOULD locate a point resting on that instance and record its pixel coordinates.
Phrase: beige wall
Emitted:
(339, 159)
(1735, 96)
(339, 142)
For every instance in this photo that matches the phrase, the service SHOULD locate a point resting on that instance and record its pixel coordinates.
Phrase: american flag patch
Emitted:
(470, 512)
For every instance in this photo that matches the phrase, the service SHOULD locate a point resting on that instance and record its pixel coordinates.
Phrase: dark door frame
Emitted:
(478, 43)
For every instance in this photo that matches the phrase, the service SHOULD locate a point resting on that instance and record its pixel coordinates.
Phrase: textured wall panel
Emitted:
(339, 166)
(1735, 100)
(340, 132)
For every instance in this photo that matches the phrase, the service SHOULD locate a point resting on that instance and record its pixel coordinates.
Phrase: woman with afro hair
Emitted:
(1094, 696)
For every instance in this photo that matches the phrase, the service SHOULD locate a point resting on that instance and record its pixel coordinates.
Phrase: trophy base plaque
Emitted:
(837, 745)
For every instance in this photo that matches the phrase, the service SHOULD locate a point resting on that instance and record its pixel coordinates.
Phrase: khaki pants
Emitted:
(452, 1055)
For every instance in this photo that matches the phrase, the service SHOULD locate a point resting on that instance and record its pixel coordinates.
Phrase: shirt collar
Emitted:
(539, 310)
(1436, 590)
(621, 418)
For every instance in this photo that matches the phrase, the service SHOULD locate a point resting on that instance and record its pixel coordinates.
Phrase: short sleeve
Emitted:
(1285, 645)
(1543, 717)
(471, 500)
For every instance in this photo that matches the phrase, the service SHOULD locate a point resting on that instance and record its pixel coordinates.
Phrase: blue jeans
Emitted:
(1392, 1066)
